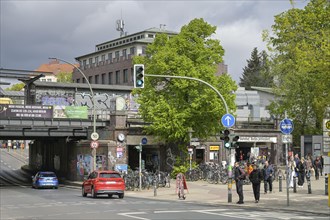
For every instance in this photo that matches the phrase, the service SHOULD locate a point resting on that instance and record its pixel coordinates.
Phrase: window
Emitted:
(49, 80)
(103, 78)
(118, 77)
(90, 79)
(103, 58)
(110, 57)
(97, 60)
(117, 55)
(110, 76)
(97, 79)
(132, 50)
(84, 80)
(125, 74)
(132, 75)
(144, 50)
(125, 53)
(78, 80)
(84, 63)
(90, 61)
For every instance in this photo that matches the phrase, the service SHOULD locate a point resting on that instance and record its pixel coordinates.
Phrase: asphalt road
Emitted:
(23, 202)
(18, 200)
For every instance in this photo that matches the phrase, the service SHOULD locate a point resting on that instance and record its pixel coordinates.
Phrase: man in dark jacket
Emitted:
(255, 178)
(239, 177)
(268, 177)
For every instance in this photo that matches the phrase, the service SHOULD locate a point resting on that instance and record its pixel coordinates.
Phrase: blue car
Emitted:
(45, 180)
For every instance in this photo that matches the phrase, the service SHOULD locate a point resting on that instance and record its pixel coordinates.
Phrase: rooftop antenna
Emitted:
(120, 25)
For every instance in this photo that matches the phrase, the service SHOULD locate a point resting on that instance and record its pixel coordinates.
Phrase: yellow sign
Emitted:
(214, 147)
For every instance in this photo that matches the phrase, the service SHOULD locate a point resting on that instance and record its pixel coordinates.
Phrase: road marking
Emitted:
(129, 214)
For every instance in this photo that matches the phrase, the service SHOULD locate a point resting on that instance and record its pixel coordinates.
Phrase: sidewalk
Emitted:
(217, 194)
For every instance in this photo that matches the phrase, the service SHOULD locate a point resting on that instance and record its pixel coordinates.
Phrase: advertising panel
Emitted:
(26, 111)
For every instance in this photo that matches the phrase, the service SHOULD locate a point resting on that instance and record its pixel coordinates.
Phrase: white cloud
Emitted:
(238, 39)
(31, 31)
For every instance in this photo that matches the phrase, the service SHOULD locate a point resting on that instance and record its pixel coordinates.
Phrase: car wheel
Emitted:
(121, 195)
(110, 195)
(83, 192)
(93, 193)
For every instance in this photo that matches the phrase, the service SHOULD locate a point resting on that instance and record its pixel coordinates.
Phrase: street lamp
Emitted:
(93, 101)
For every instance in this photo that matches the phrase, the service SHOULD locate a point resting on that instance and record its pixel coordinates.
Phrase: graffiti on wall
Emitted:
(59, 97)
(170, 159)
(85, 163)
(112, 159)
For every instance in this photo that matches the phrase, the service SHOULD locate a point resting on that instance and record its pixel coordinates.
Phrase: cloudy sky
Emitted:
(32, 31)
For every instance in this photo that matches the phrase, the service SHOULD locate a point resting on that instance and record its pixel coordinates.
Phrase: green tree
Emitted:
(64, 77)
(300, 49)
(256, 73)
(173, 106)
(16, 87)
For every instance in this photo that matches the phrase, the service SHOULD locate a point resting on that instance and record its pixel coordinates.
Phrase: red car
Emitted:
(104, 182)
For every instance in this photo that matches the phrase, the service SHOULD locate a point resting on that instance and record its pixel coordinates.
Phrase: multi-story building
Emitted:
(111, 63)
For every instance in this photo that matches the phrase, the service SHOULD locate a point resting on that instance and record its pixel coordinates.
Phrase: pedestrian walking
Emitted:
(301, 172)
(317, 167)
(291, 171)
(255, 178)
(239, 177)
(268, 177)
(322, 165)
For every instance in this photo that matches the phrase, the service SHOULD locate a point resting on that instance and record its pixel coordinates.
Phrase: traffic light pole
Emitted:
(192, 78)
(226, 107)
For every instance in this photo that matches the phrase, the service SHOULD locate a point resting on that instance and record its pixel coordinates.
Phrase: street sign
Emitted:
(94, 144)
(95, 136)
(286, 126)
(228, 120)
(144, 140)
(287, 138)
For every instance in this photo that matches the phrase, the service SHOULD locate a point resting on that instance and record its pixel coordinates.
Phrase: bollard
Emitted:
(230, 182)
(326, 184)
(155, 186)
(280, 183)
(294, 184)
(309, 185)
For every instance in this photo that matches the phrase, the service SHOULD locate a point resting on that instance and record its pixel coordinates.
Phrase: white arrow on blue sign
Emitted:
(228, 120)
(144, 140)
(286, 126)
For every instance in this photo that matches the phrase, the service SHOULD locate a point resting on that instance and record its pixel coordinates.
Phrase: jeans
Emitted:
(270, 182)
(239, 190)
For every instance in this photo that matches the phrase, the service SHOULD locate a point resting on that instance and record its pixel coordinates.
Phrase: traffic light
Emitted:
(234, 142)
(226, 139)
(139, 76)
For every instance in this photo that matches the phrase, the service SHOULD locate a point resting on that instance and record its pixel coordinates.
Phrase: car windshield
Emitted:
(47, 175)
(109, 175)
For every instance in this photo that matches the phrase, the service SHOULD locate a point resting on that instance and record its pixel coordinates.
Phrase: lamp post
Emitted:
(93, 101)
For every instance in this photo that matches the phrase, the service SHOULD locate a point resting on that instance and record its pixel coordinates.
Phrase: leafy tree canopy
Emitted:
(256, 73)
(16, 87)
(64, 77)
(173, 106)
(300, 48)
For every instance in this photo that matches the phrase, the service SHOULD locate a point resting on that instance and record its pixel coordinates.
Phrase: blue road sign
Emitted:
(228, 120)
(144, 140)
(286, 126)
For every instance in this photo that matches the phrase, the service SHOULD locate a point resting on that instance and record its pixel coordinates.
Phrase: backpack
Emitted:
(243, 174)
